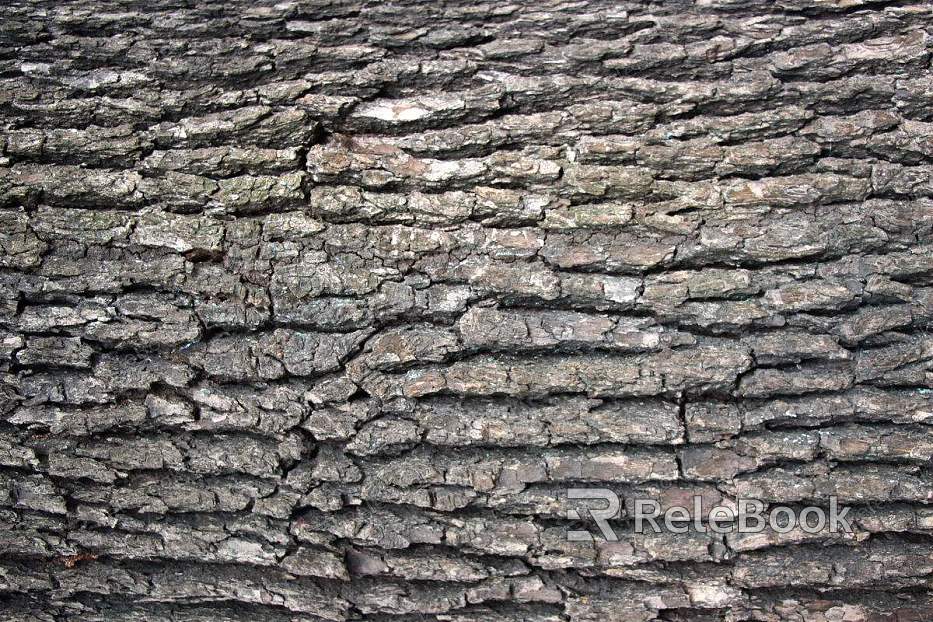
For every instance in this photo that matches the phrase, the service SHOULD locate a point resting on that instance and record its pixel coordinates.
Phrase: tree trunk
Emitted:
(317, 310)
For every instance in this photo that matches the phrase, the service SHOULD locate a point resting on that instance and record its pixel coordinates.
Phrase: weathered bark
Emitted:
(315, 310)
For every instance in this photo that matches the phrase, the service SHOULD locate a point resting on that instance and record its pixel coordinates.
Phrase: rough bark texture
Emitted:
(314, 310)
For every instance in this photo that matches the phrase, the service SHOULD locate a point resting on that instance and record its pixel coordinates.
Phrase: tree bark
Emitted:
(316, 310)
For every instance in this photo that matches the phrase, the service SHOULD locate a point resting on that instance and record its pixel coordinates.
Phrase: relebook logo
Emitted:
(747, 516)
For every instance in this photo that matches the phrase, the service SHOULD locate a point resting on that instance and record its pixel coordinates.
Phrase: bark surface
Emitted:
(315, 310)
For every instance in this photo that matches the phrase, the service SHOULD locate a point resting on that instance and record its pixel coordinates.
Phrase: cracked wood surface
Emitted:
(314, 310)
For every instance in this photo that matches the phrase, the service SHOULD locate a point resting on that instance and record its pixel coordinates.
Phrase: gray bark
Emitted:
(314, 310)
